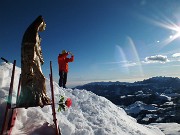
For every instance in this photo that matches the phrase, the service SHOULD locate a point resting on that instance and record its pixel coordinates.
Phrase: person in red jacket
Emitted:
(63, 67)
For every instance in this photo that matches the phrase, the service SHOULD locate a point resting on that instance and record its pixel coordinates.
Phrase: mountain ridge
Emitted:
(160, 92)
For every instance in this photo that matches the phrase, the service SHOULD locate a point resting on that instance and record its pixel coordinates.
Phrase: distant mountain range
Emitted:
(156, 99)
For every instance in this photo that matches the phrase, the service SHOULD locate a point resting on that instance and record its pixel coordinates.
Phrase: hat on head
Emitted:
(64, 51)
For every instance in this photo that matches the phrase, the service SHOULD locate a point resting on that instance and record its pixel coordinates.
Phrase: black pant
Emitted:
(62, 79)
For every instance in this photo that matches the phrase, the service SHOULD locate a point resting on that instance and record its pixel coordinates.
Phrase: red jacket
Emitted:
(63, 61)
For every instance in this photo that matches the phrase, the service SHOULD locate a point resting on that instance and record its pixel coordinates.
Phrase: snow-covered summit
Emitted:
(89, 115)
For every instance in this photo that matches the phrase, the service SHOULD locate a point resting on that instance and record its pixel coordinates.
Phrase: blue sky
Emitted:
(112, 40)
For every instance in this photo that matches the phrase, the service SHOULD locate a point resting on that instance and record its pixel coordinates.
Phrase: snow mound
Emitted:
(89, 115)
(138, 106)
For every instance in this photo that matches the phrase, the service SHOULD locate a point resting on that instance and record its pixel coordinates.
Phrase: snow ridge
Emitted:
(89, 115)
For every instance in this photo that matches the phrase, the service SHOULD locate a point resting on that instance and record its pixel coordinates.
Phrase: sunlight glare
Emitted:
(177, 35)
(170, 25)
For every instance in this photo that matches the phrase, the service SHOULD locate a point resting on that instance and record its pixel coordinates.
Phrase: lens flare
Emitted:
(121, 58)
(136, 56)
(168, 24)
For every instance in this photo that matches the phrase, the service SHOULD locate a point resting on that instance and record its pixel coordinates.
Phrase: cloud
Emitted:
(156, 58)
(123, 63)
(129, 64)
(176, 55)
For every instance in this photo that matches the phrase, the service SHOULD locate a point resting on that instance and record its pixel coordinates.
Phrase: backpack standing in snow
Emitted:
(63, 67)
(33, 88)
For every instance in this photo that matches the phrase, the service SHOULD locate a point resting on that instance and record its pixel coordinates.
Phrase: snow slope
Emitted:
(168, 128)
(89, 115)
(139, 106)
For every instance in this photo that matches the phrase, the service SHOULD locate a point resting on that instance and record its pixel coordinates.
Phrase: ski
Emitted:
(10, 113)
(58, 131)
(4, 60)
